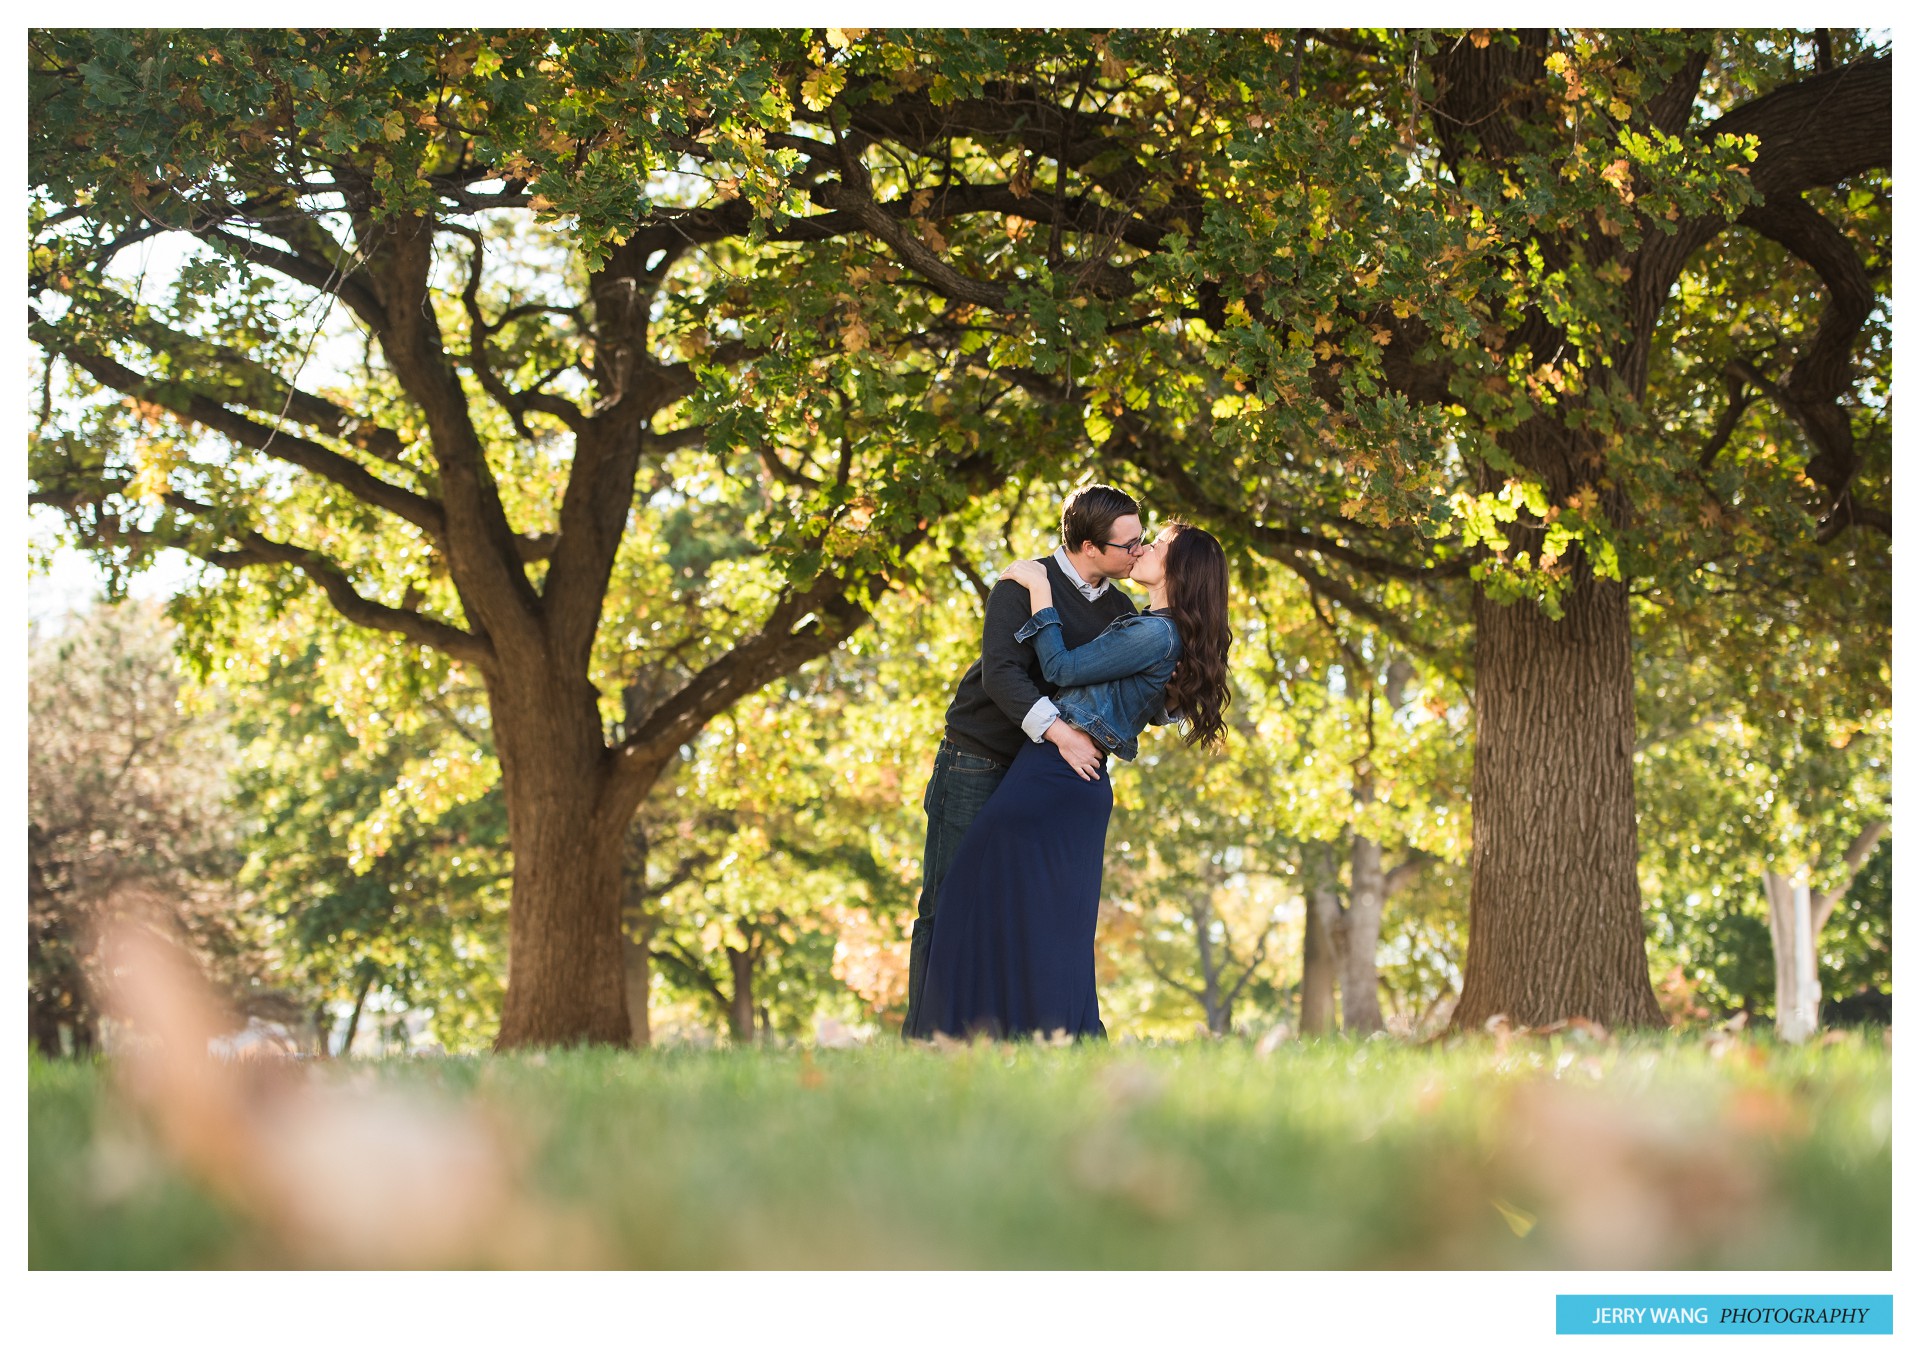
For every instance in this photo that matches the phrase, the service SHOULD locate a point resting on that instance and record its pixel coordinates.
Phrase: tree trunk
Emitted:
(1317, 961)
(353, 1019)
(1212, 1006)
(1360, 981)
(1796, 969)
(639, 978)
(1554, 926)
(637, 922)
(566, 959)
(740, 1011)
(44, 1028)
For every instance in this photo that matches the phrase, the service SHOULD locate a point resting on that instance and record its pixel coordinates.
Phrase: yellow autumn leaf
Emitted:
(1518, 1220)
(1619, 175)
(822, 83)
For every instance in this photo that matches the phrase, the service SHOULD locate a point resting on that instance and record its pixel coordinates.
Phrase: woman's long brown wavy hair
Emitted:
(1197, 595)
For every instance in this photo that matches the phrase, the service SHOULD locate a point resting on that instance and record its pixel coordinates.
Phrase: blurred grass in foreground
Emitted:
(1654, 1151)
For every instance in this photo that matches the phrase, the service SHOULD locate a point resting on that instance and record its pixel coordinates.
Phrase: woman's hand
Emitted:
(1032, 575)
(1029, 573)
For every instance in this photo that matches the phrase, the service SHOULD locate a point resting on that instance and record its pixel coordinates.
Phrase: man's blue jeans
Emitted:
(960, 786)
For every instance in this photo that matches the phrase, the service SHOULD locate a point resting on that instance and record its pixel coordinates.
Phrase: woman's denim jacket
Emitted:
(1115, 685)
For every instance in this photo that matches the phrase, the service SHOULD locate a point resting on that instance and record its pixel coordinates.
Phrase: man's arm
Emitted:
(1008, 679)
(1005, 665)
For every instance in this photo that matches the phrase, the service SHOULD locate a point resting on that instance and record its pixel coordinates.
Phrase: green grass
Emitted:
(1651, 1152)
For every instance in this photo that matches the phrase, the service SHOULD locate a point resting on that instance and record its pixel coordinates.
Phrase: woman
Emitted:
(1012, 951)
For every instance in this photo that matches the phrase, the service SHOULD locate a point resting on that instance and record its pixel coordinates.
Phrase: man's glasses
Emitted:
(1135, 545)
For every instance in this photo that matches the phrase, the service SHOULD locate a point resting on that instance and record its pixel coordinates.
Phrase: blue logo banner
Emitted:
(1666, 1315)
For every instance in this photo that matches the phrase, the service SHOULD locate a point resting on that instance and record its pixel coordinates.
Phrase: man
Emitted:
(1003, 698)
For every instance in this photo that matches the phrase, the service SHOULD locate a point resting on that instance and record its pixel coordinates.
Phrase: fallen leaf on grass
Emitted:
(1578, 1028)
(1128, 1083)
(1761, 1111)
(335, 1174)
(1627, 1183)
(831, 1032)
(1276, 1036)
(1110, 1162)
(1518, 1220)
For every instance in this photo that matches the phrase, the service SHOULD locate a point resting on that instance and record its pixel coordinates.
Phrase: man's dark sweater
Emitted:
(998, 690)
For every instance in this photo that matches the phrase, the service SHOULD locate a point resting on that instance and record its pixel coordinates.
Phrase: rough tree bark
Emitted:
(1554, 928)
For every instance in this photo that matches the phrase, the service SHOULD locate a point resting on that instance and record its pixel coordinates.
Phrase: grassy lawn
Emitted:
(1545, 1153)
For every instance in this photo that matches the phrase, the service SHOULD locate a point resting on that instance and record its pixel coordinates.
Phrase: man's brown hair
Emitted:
(1090, 513)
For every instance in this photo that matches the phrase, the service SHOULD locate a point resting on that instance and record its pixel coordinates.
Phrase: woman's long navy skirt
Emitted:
(1012, 950)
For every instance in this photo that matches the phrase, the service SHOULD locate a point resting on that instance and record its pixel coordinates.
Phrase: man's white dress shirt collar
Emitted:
(1061, 557)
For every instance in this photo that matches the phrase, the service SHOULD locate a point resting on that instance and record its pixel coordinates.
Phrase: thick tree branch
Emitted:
(1822, 375)
(1343, 595)
(803, 624)
(254, 549)
(483, 552)
(945, 279)
(318, 273)
(265, 391)
(1855, 858)
(1738, 401)
(1157, 456)
(295, 450)
(517, 403)
(676, 955)
(1813, 133)
(1672, 108)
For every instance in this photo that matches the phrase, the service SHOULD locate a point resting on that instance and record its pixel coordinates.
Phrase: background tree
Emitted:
(469, 493)
(376, 854)
(1196, 892)
(126, 819)
(1766, 762)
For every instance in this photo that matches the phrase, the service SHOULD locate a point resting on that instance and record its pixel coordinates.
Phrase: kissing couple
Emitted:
(1017, 808)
